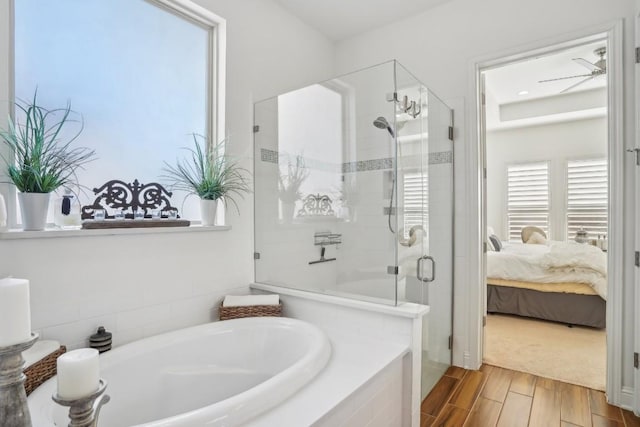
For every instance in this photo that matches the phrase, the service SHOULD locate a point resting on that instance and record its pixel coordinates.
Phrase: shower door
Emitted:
(438, 293)
(425, 202)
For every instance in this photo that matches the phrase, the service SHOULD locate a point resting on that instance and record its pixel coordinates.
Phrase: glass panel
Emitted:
(425, 205)
(412, 236)
(323, 187)
(438, 294)
(148, 68)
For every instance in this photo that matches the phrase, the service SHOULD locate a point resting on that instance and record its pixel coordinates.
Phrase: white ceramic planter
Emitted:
(33, 209)
(3, 214)
(208, 210)
(288, 212)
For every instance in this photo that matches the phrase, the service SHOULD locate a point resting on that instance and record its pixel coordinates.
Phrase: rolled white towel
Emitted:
(244, 300)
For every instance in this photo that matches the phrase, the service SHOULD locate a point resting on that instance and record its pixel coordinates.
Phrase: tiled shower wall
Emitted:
(368, 247)
(366, 238)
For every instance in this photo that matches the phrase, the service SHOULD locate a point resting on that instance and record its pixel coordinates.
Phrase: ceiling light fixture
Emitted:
(523, 92)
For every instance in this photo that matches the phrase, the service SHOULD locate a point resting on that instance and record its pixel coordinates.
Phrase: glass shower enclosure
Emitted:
(354, 196)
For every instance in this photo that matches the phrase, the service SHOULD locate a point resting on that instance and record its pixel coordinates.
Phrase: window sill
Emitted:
(58, 233)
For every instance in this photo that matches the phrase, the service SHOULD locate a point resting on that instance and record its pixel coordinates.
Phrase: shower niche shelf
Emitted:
(326, 238)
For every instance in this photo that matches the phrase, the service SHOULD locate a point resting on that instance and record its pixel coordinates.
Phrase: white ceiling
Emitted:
(504, 84)
(340, 19)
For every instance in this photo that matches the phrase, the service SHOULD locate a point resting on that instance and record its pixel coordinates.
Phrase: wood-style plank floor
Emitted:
(500, 397)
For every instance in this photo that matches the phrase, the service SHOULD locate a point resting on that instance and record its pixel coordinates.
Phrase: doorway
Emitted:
(532, 191)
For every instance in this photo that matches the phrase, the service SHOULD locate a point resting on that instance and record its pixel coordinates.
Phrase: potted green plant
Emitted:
(289, 184)
(42, 157)
(209, 174)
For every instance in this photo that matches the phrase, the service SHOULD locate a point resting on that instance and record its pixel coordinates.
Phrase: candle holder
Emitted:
(14, 411)
(84, 412)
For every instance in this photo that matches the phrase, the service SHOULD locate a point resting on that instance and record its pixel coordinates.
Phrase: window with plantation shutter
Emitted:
(527, 197)
(587, 197)
(416, 201)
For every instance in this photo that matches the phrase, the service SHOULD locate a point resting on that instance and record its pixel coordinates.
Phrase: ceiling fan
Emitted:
(598, 68)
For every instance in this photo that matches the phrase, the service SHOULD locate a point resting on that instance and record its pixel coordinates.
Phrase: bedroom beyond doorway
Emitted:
(546, 211)
(574, 355)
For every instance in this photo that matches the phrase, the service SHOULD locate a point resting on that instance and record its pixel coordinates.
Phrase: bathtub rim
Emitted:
(261, 397)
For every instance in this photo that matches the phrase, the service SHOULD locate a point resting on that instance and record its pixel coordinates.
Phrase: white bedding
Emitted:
(557, 262)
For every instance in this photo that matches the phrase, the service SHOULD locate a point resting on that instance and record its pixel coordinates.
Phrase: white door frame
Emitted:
(613, 34)
(636, 343)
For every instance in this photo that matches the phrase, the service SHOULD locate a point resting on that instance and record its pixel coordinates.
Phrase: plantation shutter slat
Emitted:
(587, 197)
(415, 201)
(527, 197)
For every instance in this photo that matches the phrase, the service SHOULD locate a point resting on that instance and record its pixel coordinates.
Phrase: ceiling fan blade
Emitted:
(577, 84)
(586, 64)
(564, 78)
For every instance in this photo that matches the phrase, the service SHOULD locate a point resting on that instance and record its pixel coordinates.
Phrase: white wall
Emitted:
(144, 284)
(440, 46)
(557, 143)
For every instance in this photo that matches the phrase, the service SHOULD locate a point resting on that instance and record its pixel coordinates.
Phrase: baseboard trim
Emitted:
(626, 398)
(466, 357)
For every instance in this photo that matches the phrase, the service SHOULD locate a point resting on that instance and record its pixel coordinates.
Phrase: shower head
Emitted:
(382, 123)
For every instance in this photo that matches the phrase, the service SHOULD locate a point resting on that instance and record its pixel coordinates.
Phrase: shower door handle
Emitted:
(419, 269)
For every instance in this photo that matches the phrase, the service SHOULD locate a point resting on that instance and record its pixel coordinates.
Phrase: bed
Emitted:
(561, 282)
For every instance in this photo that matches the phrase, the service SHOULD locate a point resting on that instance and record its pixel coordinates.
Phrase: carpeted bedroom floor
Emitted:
(575, 355)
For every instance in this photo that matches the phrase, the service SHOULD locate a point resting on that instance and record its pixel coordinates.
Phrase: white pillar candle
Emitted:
(15, 313)
(78, 373)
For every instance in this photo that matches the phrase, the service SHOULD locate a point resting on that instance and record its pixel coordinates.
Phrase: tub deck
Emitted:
(354, 362)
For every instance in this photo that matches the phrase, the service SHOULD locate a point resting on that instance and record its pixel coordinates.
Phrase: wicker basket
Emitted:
(42, 370)
(227, 313)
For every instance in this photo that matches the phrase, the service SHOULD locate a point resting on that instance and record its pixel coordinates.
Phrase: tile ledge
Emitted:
(403, 309)
(57, 233)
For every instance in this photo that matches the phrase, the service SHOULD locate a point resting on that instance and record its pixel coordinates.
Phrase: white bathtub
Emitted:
(218, 374)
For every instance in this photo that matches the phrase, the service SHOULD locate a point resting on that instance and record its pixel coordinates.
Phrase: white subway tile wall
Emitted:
(159, 289)
(378, 403)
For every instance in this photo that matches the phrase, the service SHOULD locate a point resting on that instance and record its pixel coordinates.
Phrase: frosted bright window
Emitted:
(136, 72)
(310, 130)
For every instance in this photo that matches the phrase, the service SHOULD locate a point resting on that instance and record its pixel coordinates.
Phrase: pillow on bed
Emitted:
(537, 239)
(495, 241)
(490, 246)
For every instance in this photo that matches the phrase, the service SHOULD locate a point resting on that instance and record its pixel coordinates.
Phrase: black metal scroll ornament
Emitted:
(116, 194)
(316, 204)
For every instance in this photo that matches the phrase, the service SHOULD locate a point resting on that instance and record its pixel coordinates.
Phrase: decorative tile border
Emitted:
(268, 156)
(272, 156)
(442, 157)
(368, 165)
